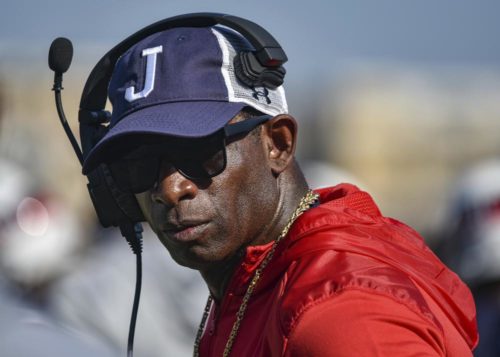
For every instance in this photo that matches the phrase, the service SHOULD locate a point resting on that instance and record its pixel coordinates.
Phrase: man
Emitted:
(291, 272)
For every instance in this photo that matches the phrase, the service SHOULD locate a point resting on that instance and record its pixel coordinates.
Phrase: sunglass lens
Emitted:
(205, 163)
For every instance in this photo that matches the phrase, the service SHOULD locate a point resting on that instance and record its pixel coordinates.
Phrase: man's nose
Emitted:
(173, 187)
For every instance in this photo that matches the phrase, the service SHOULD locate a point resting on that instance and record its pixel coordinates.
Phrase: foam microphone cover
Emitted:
(60, 55)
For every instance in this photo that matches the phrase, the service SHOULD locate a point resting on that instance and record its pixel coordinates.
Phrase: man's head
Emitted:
(207, 221)
(179, 132)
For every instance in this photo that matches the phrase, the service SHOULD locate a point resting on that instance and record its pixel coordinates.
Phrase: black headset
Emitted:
(114, 207)
(261, 67)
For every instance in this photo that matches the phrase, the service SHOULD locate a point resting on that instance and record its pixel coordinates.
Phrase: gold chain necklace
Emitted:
(304, 204)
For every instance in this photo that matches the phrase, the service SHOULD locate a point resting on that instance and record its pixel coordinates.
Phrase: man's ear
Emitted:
(280, 139)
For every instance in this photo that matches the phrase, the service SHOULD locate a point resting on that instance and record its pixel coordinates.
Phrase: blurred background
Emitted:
(399, 97)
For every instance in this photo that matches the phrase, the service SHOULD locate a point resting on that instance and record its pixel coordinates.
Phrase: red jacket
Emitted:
(346, 281)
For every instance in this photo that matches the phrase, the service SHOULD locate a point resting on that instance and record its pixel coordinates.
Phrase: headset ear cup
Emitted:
(126, 201)
(242, 73)
(112, 205)
(249, 71)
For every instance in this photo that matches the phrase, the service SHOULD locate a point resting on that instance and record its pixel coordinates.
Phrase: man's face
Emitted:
(206, 222)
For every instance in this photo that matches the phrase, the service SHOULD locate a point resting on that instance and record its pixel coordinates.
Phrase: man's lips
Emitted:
(185, 231)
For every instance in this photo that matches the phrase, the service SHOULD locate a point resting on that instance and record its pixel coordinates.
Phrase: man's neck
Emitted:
(218, 277)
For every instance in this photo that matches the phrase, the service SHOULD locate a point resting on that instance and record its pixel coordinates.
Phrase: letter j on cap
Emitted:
(149, 83)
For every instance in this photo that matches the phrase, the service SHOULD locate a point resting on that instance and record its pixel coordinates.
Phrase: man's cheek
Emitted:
(145, 203)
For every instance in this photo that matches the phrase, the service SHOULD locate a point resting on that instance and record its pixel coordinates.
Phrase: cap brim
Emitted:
(195, 119)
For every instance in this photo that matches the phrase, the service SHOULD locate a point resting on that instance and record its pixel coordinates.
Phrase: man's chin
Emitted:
(197, 258)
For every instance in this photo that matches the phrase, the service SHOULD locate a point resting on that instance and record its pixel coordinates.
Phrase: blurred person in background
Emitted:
(471, 246)
(39, 242)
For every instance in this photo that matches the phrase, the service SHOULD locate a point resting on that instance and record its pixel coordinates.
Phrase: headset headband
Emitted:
(267, 50)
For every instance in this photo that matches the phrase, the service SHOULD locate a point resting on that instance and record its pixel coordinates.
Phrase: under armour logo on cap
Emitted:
(263, 93)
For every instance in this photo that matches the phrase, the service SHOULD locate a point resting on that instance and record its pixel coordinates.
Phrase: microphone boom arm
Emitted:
(60, 111)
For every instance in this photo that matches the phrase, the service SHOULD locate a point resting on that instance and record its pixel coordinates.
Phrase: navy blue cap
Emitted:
(178, 82)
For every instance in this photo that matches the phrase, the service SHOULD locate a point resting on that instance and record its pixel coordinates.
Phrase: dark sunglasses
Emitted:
(195, 159)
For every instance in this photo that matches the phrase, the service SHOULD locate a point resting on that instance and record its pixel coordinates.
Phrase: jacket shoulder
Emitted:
(346, 244)
(320, 275)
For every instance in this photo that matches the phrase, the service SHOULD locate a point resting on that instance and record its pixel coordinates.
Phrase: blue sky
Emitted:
(317, 35)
